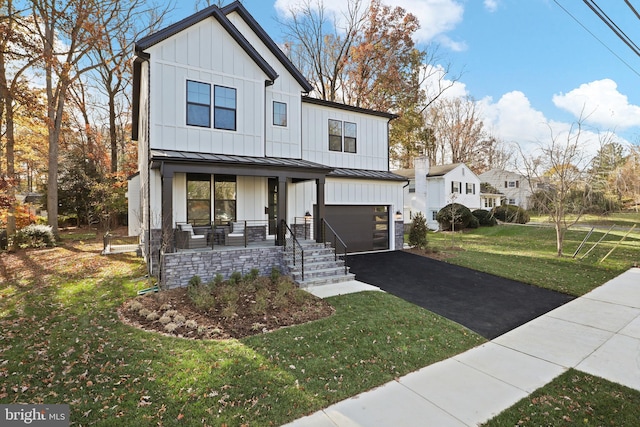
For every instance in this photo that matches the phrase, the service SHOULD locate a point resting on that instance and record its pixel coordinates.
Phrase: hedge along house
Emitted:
(228, 138)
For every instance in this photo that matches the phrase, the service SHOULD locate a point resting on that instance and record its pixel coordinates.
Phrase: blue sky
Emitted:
(533, 69)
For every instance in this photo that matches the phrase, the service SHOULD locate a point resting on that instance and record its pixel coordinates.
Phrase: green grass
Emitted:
(61, 341)
(528, 254)
(574, 398)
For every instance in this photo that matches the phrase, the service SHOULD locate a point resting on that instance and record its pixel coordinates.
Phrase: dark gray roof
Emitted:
(220, 14)
(365, 174)
(188, 156)
(346, 107)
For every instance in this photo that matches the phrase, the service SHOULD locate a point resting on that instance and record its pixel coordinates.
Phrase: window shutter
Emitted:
(517, 184)
(506, 184)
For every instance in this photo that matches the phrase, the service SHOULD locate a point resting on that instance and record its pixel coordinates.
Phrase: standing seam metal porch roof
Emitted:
(273, 162)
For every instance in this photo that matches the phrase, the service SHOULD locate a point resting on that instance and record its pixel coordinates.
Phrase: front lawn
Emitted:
(527, 254)
(61, 341)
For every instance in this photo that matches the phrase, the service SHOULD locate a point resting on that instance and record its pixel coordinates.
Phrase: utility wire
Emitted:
(612, 25)
(633, 9)
(596, 37)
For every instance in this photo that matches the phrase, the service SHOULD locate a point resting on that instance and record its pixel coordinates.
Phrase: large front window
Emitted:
(199, 199)
(224, 114)
(225, 198)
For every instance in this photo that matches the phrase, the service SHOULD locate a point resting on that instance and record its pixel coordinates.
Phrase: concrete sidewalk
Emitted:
(598, 333)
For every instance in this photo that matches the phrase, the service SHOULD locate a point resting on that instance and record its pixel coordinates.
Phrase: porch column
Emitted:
(319, 215)
(281, 209)
(167, 211)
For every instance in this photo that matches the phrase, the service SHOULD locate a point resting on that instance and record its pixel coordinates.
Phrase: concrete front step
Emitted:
(327, 280)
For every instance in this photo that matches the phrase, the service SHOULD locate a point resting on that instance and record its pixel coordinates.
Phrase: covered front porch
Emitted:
(234, 200)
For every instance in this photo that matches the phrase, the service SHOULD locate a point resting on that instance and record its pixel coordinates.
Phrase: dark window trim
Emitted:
(217, 108)
(273, 108)
(208, 125)
(354, 138)
(198, 177)
(335, 135)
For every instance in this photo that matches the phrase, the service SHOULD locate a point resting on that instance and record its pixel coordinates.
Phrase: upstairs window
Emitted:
(224, 114)
(335, 135)
(350, 131)
(342, 136)
(471, 188)
(279, 113)
(198, 104)
(456, 186)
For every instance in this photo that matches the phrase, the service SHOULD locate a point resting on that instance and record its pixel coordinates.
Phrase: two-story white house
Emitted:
(227, 134)
(515, 188)
(433, 187)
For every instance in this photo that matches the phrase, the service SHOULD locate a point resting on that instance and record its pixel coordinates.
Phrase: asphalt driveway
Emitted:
(487, 304)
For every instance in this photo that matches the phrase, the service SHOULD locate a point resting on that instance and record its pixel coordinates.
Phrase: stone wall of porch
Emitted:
(179, 267)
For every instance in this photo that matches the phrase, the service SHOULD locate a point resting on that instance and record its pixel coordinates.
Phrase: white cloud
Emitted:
(514, 120)
(601, 104)
(437, 81)
(436, 16)
(491, 5)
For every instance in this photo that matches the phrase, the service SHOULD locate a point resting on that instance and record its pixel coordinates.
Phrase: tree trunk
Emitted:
(559, 239)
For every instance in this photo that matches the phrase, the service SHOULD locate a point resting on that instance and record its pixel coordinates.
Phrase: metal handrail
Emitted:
(336, 239)
(295, 245)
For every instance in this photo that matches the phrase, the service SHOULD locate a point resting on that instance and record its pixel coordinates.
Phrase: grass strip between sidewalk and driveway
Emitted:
(61, 341)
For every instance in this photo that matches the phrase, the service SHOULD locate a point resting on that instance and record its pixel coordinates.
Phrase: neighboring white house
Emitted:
(433, 187)
(514, 187)
(226, 132)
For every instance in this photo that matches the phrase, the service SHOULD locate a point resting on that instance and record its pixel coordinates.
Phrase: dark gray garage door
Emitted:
(363, 228)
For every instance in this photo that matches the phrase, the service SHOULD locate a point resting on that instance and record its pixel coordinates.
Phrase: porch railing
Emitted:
(291, 243)
(119, 244)
(303, 227)
(329, 235)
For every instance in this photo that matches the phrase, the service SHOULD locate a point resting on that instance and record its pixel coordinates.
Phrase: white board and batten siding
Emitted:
(205, 53)
(282, 141)
(371, 138)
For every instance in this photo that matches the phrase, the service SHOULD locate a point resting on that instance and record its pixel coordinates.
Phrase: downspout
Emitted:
(267, 83)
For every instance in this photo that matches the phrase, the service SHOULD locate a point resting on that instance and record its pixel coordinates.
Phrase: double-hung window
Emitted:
(224, 113)
(198, 104)
(279, 114)
(335, 135)
(456, 187)
(471, 188)
(342, 136)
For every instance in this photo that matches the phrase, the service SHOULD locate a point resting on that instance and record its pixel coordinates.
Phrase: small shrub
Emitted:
(144, 312)
(34, 236)
(473, 222)
(485, 218)
(218, 280)
(229, 310)
(171, 313)
(165, 319)
(252, 275)
(418, 232)
(191, 324)
(235, 278)
(511, 213)
(194, 282)
(262, 301)
(153, 316)
(455, 213)
(135, 306)
(228, 294)
(275, 275)
(179, 318)
(170, 327)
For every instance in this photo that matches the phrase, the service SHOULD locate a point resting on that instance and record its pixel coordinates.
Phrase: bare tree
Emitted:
(458, 130)
(320, 48)
(557, 177)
